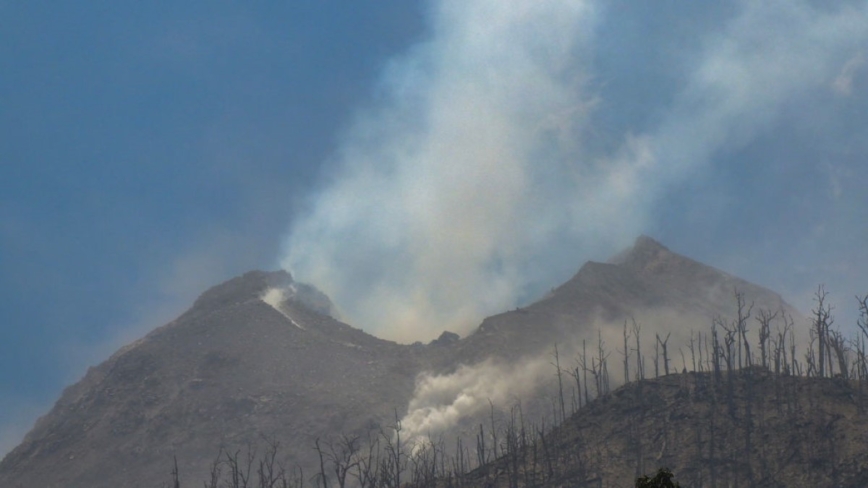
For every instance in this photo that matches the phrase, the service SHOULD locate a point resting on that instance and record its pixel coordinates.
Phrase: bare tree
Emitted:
(715, 350)
(176, 480)
(240, 468)
(743, 315)
(271, 473)
(215, 471)
(602, 359)
(321, 477)
(626, 353)
(585, 372)
(494, 429)
(862, 321)
(559, 372)
(765, 319)
(810, 358)
(367, 464)
(342, 455)
(640, 364)
(693, 352)
(599, 369)
(576, 374)
(861, 359)
(547, 456)
(729, 340)
(663, 347)
(394, 460)
(838, 345)
(779, 343)
(863, 313)
(822, 319)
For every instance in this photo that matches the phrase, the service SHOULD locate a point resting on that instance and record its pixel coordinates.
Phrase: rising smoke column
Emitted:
(466, 185)
(446, 195)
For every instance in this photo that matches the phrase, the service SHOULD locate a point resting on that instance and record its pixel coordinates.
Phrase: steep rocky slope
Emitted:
(226, 372)
(662, 290)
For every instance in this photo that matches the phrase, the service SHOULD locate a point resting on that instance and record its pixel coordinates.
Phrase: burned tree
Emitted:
(765, 319)
(664, 348)
(740, 325)
(822, 319)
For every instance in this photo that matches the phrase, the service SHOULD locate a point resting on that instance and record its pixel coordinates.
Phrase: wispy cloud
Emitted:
(771, 54)
(843, 84)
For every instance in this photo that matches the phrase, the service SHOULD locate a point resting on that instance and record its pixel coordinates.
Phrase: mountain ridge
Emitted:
(233, 368)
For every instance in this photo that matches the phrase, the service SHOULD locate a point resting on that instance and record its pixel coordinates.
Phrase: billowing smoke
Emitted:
(441, 401)
(449, 193)
(471, 182)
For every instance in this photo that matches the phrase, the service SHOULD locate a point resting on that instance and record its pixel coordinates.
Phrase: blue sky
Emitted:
(149, 151)
(401, 155)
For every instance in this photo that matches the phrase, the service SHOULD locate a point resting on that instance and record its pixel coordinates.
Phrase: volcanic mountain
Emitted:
(259, 355)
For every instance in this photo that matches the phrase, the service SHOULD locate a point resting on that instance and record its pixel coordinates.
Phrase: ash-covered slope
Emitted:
(258, 355)
(753, 429)
(228, 371)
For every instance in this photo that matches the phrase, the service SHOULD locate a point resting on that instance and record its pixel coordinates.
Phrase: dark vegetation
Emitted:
(663, 479)
(740, 413)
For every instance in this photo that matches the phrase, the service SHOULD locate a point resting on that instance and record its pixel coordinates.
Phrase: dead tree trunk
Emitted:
(744, 312)
(626, 355)
(640, 365)
(664, 348)
(559, 372)
(765, 319)
(821, 322)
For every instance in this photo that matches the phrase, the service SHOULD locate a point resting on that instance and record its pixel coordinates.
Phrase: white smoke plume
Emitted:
(467, 187)
(447, 191)
(441, 401)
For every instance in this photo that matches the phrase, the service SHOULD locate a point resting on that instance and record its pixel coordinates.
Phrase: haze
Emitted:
(425, 164)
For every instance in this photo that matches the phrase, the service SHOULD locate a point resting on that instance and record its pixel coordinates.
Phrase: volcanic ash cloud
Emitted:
(453, 185)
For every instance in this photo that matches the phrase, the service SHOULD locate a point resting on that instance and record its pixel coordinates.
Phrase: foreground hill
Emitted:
(751, 429)
(260, 356)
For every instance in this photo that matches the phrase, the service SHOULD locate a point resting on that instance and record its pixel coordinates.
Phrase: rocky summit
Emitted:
(261, 357)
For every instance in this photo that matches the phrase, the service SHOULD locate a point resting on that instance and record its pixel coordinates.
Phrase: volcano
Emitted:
(261, 356)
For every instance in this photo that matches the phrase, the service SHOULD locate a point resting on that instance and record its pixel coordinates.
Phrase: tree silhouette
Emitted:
(663, 479)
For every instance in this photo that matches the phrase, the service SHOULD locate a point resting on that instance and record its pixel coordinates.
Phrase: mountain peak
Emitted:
(247, 286)
(645, 254)
(645, 242)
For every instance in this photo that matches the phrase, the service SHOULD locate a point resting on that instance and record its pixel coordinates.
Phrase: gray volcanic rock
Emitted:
(225, 373)
(260, 355)
(663, 291)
